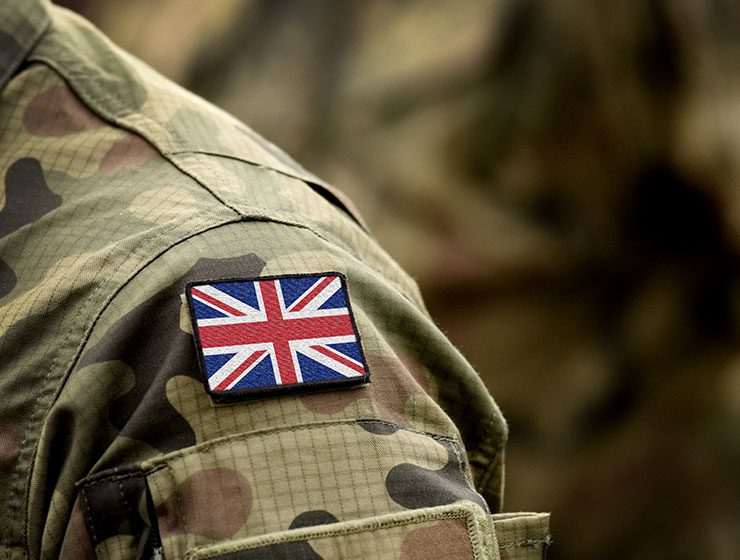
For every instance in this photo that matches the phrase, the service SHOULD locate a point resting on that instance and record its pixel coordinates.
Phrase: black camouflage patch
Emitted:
(10, 54)
(27, 196)
(313, 518)
(415, 487)
(113, 502)
(8, 279)
(298, 550)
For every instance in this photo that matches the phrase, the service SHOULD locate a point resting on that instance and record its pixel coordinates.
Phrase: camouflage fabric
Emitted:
(119, 189)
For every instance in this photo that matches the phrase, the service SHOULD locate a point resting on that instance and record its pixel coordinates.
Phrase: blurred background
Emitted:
(562, 178)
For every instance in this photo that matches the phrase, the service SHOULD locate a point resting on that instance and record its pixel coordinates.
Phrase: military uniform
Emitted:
(121, 192)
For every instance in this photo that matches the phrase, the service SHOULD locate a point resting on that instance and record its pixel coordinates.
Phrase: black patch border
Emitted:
(277, 390)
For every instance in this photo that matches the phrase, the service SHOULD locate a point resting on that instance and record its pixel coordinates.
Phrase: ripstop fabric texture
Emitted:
(120, 189)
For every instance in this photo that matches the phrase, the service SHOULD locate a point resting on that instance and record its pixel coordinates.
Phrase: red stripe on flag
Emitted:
(216, 303)
(238, 371)
(283, 356)
(307, 298)
(276, 331)
(339, 358)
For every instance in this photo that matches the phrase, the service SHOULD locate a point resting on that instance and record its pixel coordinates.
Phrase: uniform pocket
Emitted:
(277, 479)
(455, 532)
(264, 482)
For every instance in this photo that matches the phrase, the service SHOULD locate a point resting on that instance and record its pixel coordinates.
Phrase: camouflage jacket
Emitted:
(120, 189)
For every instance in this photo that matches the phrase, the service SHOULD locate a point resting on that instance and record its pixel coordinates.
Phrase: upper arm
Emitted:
(213, 473)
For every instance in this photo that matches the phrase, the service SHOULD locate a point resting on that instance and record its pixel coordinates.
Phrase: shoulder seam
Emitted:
(118, 122)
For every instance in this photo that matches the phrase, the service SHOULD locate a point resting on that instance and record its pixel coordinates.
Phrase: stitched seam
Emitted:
(88, 517)
(99, 101)
(473, 537)
(491, 463)
(123, 497)
(216, 153)
(318, 534)
(457, 450)
(371, 528)
(460, 466)
(529, 542)
(92, 103)
(178, 500)
(111, 478)
(306, 178)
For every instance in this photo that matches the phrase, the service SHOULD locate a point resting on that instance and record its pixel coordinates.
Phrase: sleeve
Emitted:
(406, 466)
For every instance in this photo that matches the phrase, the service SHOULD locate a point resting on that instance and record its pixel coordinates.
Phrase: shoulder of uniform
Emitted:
(126, 91)
(178, 124)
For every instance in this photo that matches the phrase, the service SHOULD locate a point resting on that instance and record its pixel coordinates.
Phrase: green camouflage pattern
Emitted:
(567, 174)
(119, 189)
(458, 531)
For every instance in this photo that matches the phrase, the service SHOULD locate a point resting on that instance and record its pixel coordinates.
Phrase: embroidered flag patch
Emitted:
(269, 336)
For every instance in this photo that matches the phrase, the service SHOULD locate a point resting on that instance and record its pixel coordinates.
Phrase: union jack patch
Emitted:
(268, 336)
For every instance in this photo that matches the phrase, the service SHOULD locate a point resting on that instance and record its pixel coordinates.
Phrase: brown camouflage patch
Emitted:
(213, 503)
(10, 446)
(389, 390)
(58, 112)
(77, 544)
(128, 152)
(447, 540)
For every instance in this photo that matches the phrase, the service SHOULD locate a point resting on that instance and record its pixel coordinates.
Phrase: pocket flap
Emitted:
(456, 532)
